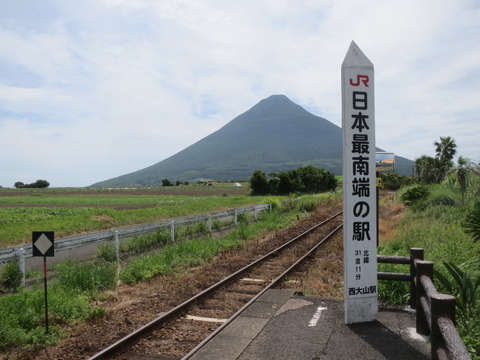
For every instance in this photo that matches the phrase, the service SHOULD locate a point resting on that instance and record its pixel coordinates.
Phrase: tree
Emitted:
(289, 182)
(259, 183)
(465, 167)
(166, 182)
(39, 184)
(433, 170)
(308, 179)
(316, 180)
(446, 148)
(428, 170)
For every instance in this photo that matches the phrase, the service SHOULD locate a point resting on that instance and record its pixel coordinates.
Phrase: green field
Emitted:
(75, 211)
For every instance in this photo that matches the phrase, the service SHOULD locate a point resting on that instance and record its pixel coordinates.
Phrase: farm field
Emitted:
(74, 211)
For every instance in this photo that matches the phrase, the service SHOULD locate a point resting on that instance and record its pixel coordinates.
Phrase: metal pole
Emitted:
(21, 264)
(46, 295)
(117, 246)
(172, 230)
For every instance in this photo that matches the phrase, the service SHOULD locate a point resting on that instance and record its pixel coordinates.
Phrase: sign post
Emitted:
(359, 188)
(43, 245)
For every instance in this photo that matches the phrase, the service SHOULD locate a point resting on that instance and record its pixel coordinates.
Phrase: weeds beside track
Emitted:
(230, 294)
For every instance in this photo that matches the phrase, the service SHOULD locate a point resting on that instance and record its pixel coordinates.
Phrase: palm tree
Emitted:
(428, 170)
(464, 168)
(446, 149)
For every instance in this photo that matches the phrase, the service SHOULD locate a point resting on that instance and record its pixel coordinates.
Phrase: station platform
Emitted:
(281, 325)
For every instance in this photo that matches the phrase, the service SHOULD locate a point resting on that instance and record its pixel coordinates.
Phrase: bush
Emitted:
(413, 194)
(394, 181)
(11, 275)
(443, 200)
(471, 225)
(464, 286)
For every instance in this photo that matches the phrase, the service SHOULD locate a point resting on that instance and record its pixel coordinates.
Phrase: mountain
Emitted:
(274, 135)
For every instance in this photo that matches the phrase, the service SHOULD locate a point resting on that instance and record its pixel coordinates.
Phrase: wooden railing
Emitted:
(435, 312)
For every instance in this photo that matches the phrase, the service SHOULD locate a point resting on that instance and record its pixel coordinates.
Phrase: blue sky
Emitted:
(94, 89)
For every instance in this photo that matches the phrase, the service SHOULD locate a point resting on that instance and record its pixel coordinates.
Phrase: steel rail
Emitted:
(256, 297)
(136, 335)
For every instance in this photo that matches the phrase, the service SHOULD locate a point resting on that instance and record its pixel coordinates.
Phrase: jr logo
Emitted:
(360, 78)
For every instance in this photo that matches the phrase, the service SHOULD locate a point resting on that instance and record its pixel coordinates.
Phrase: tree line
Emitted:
(307, 179)
(36, 184)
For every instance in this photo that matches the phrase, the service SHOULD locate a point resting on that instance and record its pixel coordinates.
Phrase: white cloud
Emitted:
(103, 88)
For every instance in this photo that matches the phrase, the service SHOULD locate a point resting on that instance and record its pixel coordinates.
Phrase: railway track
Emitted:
(182, 331)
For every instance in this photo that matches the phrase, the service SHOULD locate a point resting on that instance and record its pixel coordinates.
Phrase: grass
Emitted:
(195, 252)
(183, 254)
(435, 224)
(78, 213)
(22, 314)
(69, 301)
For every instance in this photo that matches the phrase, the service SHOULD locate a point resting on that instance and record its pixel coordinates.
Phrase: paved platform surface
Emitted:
(281, 326)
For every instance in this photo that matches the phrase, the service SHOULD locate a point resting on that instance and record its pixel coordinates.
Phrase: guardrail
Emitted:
(25, 251)
(435, 312)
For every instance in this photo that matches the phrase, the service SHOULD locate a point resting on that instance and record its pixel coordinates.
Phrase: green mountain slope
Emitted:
(274, 135)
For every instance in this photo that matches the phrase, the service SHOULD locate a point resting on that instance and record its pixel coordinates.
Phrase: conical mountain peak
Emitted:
(274, 135)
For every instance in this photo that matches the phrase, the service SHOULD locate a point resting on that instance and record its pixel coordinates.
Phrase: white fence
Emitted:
(19, 253)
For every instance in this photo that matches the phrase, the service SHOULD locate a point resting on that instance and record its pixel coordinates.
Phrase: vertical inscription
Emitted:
(359, 182)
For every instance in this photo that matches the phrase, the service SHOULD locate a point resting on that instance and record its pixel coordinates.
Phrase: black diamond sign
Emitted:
(43, 243)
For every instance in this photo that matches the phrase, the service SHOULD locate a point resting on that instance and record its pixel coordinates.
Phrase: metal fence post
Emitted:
(209, 222)
(424, 268)
(172, 230)
(442, 305)
(415, 254)
(235, 220)
(21, 264)
(256, 213)
(117, 246)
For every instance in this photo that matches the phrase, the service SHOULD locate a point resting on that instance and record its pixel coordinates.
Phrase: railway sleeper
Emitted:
(240, 297)
(210, 313)
(244, 291)
(131, 355)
